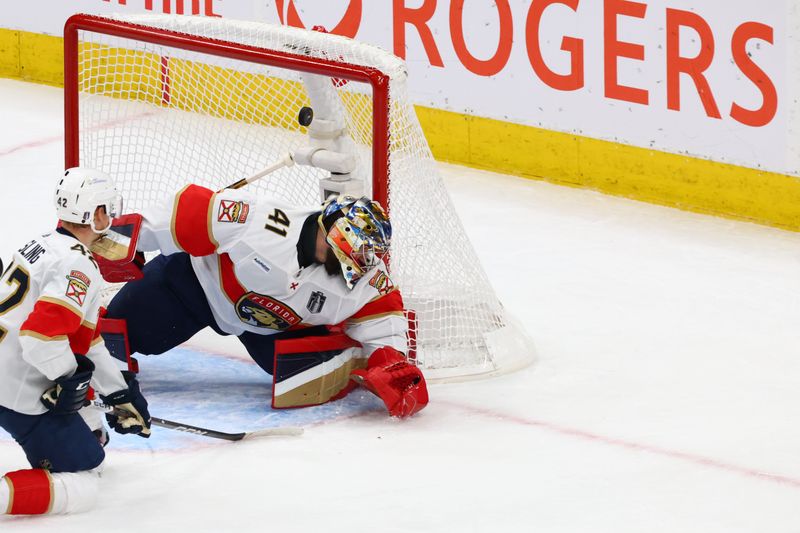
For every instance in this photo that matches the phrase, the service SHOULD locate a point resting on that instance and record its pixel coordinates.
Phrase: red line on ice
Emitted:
(48, 140)
(635, 446)
(32, 144)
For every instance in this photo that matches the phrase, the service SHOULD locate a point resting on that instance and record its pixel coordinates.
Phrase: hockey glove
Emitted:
(69, 393)
(130, 414)
(399, 384)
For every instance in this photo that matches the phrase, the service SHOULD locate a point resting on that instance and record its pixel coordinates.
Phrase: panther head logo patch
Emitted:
(264, 312)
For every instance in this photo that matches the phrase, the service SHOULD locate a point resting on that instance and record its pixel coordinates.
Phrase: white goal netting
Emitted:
(158, 116)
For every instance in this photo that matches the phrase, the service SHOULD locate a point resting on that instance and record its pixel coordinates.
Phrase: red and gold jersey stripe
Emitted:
(81, 340)
(51, 318)
(54, 320)
(191, 220)
(228, 280)
(387, 305)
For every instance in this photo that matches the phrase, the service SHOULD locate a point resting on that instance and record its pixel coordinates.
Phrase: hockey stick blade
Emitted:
(284, 431)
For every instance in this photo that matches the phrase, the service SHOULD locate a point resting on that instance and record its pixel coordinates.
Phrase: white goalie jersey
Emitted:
(245, 254)
(49, 303)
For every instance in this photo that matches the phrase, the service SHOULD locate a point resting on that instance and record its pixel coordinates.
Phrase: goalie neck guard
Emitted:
(359, 233)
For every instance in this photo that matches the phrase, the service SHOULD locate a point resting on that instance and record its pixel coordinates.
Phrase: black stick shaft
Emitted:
(206, 432)
(177, 426)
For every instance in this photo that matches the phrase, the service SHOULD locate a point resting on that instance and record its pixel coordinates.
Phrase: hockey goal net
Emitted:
(161, 101)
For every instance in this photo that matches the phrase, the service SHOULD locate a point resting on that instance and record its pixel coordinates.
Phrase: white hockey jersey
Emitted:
(49, 303)
(245, 256)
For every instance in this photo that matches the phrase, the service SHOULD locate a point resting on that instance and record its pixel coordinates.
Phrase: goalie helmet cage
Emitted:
(159, 101)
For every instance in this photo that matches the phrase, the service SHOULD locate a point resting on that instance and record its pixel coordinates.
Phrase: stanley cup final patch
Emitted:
(316, 301)
(231, 211)
(77, 286)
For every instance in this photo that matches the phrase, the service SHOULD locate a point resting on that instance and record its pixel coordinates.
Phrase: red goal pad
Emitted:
(314, 370)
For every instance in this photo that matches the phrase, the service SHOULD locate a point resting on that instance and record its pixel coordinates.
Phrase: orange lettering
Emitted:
(615, 48)
(562, 82)
(765, 114)
(348, 26)
(210, 9)
(694, 67)
(497, 62)
(418, 17)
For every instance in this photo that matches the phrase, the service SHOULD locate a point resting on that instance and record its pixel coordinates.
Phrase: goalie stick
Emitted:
(304, 118)
(285, 431)
(287, 161)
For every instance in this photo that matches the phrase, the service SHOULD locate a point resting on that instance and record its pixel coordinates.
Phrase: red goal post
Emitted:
(327, 67)
(160, 100)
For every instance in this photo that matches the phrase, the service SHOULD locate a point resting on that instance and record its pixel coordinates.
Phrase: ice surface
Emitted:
(664, 399)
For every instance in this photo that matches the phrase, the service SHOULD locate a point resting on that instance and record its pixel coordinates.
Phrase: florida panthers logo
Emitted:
(230, 211)
(265, 312)
(77, 286)
(382, 283)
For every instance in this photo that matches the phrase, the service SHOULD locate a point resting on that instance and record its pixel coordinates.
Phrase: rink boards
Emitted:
(615, 120)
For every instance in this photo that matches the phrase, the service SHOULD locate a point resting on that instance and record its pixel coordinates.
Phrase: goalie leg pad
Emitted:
(314, 370)
(262, 347)
(115, 336)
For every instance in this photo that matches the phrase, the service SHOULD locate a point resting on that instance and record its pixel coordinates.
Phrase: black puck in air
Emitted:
(305, 116)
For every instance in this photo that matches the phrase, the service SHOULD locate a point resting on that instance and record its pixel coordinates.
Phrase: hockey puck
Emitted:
(305, 116)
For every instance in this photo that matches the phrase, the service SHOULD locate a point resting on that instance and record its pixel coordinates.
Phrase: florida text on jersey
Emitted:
(245, 254)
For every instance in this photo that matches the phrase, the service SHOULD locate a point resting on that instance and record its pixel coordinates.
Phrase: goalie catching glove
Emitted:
(394, 380)
(69, 393)
(130, 414)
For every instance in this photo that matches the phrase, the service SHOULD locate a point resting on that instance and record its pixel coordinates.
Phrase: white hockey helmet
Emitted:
(81, 191)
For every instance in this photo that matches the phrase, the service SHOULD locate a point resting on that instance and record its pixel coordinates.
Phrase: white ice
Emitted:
(665, 397)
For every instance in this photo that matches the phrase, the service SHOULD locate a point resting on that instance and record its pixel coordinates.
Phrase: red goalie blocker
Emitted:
(115, 252)
(314, 370)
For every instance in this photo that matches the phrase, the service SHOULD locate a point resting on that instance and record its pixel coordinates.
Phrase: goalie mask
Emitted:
(359, 233)
(81, 191)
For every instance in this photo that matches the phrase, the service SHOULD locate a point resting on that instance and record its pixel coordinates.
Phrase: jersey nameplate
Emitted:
(32, 251)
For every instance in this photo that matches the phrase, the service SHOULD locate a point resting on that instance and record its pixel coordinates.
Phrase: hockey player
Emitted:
(50, 353)
(264, 270)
